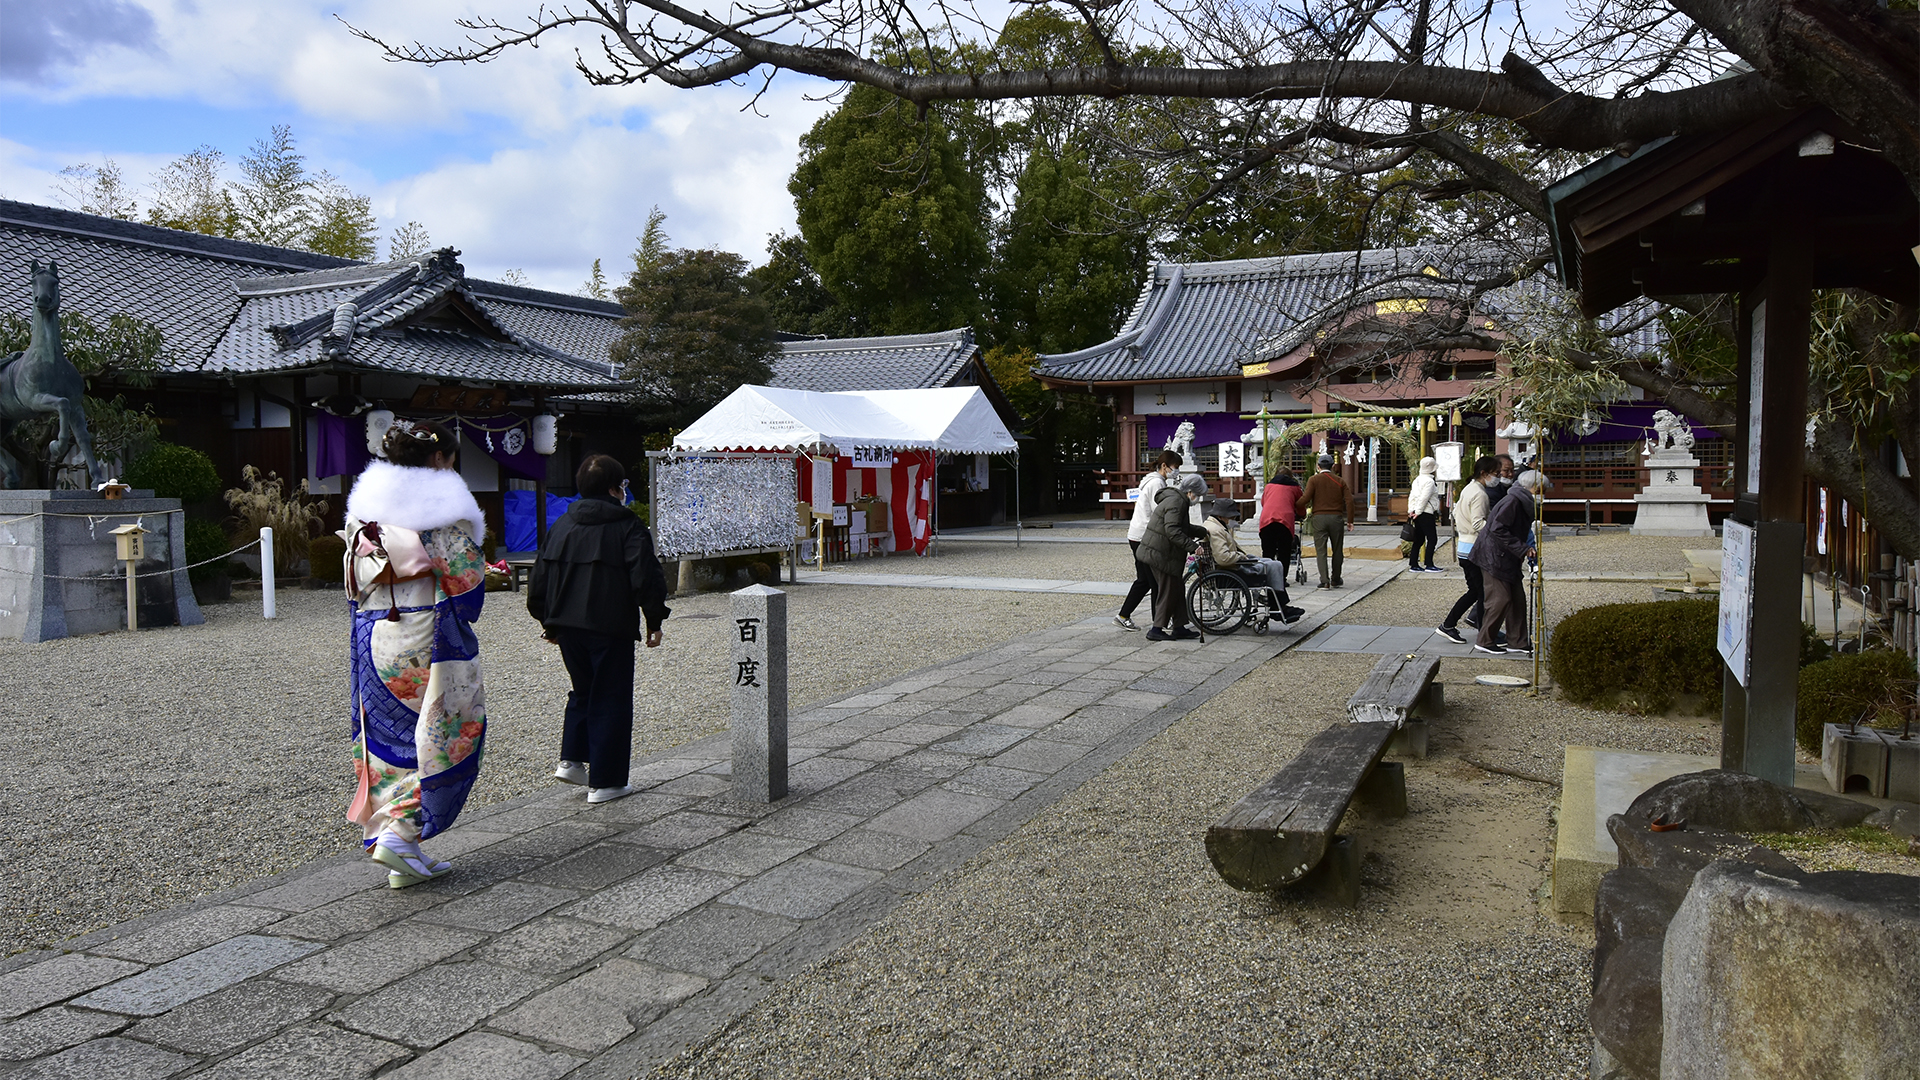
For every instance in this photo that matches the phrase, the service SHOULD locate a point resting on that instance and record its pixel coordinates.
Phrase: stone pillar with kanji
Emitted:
(759, 670)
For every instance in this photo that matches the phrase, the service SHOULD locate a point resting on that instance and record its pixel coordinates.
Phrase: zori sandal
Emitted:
(405, 863)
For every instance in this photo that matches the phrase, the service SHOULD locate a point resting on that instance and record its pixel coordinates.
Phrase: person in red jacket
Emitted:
(1277, 516)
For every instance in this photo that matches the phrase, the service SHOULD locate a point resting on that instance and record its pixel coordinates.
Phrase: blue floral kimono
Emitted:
(418, 704)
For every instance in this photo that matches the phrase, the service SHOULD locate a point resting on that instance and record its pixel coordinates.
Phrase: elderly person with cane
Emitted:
(1502, 551)
(1164, 547)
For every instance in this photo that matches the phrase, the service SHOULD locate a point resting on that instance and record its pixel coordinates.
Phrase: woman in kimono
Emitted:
(415, 578)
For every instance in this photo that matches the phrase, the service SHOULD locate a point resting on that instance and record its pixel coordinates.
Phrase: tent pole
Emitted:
(1018, 521)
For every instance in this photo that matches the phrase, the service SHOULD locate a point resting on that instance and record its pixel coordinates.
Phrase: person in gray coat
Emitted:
(1170, 536)
(1501, 552)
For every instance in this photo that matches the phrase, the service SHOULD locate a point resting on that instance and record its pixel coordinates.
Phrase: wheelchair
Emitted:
(1222, 601)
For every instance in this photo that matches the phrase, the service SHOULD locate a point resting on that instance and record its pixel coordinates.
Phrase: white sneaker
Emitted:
(571, 772)
(608, 794)
(1125, 623)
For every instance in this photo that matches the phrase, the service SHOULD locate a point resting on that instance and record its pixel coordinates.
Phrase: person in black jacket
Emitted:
(595, 578)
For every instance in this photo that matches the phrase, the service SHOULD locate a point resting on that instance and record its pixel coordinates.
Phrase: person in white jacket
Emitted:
(1163, 467)
(1423, 506)
(1469, 517)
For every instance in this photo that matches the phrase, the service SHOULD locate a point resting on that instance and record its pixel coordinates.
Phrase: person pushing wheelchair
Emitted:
(1223, 516)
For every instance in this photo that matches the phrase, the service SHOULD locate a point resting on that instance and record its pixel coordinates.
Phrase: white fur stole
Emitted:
(415, 498)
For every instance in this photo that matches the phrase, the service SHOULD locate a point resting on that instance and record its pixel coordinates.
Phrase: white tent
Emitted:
(954, 419)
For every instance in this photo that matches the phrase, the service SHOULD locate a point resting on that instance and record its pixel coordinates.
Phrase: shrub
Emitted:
(325, 556)
(205, 540)
(1837, 691)
(1639, 657)
(174, 472)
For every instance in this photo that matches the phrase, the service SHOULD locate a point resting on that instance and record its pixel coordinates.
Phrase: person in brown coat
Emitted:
(1332, 505)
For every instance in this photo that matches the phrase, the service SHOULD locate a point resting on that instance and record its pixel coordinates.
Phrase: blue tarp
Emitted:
(517, 507)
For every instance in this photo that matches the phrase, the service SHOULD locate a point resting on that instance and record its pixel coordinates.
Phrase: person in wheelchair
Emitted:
(1223, 516)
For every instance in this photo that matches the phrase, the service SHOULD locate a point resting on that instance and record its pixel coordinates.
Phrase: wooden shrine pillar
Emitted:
(1757, 718)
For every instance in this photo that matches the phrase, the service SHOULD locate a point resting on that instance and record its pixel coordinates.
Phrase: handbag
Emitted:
(1406, 530)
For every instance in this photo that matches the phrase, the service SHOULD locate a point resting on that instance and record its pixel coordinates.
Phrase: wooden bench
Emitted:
(1284, 832)
(1400, 685)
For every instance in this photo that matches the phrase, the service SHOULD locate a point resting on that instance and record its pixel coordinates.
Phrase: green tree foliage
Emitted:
(97, 189)
(795, 296)
(595, 287)
(1064, 275)
(654, 244)
(187, 195)
(894, 218)
(343, 222)
(408, 241)
(273, 200)
(695, 331)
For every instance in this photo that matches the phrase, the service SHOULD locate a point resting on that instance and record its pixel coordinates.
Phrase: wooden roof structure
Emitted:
(1700, 214)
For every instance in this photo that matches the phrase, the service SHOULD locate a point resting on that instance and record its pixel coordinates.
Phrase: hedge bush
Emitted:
(205, 540)
(1837, 691)
(326, 557)
(175, 472)
(1639, 657)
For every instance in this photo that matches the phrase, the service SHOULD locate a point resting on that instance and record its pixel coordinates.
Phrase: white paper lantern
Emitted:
(378, 421)
(546, 433)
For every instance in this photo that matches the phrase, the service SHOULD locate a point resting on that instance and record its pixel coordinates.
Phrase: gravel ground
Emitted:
(146, 772)
(1098, 941)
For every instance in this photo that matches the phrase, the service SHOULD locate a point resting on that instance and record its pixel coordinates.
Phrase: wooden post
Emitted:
(1757, 734)
(759, 655)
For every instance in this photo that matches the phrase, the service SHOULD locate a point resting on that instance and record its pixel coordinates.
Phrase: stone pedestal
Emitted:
(58, 577)
(1671, 504)
(759, 656)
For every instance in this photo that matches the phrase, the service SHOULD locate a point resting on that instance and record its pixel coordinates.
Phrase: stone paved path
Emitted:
(597, 941)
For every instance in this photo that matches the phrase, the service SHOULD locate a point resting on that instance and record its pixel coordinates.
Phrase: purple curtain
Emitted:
(1208, 428)
(341, 449)
(507, 439)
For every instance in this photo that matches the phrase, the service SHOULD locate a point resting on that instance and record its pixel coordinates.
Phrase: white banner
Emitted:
(872, 457)
(1233, 458)
(1446, 460)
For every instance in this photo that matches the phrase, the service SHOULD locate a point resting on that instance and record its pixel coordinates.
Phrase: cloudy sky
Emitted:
(519, 163)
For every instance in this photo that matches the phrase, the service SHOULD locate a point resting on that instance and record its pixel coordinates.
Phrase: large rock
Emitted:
(1630, 916)
(1626, 1008)
(1771, 977)
(1634, 902)
(1688, 849)
(1736, 802)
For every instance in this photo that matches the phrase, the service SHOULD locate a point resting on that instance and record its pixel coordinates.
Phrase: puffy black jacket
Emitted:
(1501, 547)
(1169, 534)
(597, 572)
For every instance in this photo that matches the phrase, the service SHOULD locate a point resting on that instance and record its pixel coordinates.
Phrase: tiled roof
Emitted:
(902, 362)
(1205, 320)
(218, 303)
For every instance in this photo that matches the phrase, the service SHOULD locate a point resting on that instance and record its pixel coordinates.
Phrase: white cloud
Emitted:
(560, 172)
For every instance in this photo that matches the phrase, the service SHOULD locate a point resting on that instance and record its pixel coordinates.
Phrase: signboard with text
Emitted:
(1233, 458)
(1736, 596)
(872, 457)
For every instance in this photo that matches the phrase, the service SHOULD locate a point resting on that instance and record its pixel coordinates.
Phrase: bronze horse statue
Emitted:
(42, 380)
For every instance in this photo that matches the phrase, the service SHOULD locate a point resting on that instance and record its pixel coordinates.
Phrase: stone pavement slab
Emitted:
(597, 940)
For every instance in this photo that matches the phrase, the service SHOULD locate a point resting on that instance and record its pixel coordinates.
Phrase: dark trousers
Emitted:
(1423, 533)
(599, 724)
(1169, 606)
(1276, 541)
(1142, 584)
(1469, 599)
(1506, 602)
